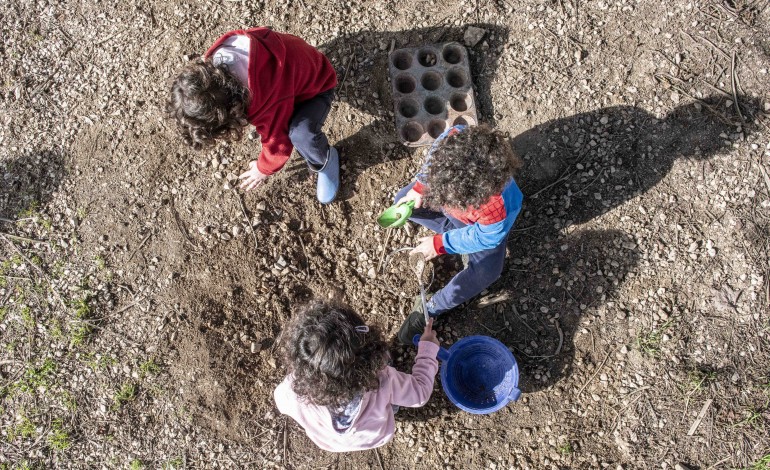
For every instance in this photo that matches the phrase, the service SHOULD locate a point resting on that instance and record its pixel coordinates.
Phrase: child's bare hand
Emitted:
(425, 248)
(429, 334)
(253, 177)
(412, 195)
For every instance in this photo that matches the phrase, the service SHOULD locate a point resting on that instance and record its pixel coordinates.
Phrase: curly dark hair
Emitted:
(468, 168)
(208, 103)
(330, 360)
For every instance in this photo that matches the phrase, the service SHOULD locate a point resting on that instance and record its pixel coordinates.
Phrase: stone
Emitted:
(473, 35)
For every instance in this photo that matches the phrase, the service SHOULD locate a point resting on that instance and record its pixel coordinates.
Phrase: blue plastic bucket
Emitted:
(479, 374)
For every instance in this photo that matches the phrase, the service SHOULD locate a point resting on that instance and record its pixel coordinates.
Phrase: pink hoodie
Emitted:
(374, 425)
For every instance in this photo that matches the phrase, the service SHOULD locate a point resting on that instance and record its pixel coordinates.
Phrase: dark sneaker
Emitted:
(414, 323)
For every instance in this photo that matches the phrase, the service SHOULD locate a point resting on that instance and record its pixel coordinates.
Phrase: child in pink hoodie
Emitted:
(340, 388)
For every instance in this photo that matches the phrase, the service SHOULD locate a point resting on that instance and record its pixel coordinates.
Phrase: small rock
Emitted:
(473, 36)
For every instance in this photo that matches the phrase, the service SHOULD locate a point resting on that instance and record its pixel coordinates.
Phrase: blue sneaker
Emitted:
(329, 178)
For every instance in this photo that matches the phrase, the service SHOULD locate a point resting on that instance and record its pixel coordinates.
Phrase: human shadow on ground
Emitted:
(28, 181)
(361, 59)
(576, 169)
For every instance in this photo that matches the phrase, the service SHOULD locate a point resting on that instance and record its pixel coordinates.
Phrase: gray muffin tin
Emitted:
(432, 91)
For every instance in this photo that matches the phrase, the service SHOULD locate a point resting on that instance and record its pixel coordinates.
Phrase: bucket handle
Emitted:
(443, 353)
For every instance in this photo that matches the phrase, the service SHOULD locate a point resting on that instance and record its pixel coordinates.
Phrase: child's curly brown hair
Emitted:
(208, 103)
(468, 168)
(331, 361)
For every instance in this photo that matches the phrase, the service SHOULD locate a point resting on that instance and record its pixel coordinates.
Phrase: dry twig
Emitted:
(251, 229)
(733, 81)
(595, 374)
(700, 417)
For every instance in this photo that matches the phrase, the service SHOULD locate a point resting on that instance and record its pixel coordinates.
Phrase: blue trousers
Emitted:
(484, 267)
(305, 129)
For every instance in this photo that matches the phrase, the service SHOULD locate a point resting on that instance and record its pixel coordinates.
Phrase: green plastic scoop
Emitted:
(396, 215)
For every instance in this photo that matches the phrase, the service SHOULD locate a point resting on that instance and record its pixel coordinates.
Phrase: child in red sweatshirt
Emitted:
(278, 83)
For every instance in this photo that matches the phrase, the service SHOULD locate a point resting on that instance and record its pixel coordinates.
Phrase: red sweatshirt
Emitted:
(283, 70)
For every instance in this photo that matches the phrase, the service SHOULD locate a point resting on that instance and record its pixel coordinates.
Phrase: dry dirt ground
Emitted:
(141, 296)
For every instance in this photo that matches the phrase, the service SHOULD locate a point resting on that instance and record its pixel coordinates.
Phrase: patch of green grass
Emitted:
(33, 379)
(55, 329)
(761, 464)
(649, 343)
(697, 380)
(68, 401)
(36, 377)
(30, 211)
(136, 464)
(754, 418)
(566, 449)
(126, 393)
(81, 330)
(148, 367)
(7, 266)
(57, 269)
(100, 363)
(172, 464)
(26, 316)
(100, 263)
(3, 313)
(24, 429)
(58, 438)
(81, 213)
(83, 307)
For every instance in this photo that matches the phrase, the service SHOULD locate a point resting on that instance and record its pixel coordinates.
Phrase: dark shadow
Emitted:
(579, 167)
(28, 181)
(361, 60)
(556, 282)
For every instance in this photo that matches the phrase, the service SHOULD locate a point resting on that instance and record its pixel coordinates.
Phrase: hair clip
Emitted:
(362, 329)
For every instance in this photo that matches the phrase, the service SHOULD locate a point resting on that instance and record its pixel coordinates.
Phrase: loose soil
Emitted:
(142, 296)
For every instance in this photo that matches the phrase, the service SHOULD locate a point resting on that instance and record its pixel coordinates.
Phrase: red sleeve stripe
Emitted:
(438, 244)
(418, 187)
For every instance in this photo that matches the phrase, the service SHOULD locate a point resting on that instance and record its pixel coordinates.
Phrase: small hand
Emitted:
(253, 177)
(425, 248)
(429, 334)
(412, 195)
